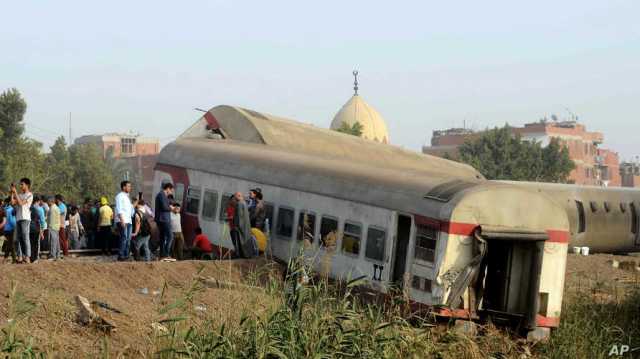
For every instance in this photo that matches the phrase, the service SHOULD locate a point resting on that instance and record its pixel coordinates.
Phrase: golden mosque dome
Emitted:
(357, 110)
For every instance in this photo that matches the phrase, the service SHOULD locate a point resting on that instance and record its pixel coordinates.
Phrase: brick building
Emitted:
(594, 165)
(630, 173)
(137, 155)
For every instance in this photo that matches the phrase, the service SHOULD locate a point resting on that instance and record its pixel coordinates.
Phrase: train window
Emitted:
(284, 227)
(226, 197)
(426, 243)
(421, 283)
(328, 231)
(351, 238)
(375, 244)
(306, 226)
(581, 217)
(178, 193)
(268, 215)
(607, 207)
(210, 204)
(193, 200)
(623, 207)
(594, 206)
(634, 218)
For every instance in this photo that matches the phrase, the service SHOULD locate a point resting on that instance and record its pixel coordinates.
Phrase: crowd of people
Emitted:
(33, 223)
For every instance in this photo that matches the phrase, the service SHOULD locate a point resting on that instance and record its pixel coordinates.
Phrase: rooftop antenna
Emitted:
(573, 115)
(355, 82)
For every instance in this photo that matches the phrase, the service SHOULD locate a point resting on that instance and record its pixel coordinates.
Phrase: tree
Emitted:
(12, 110)
(63, 180)
(500, 155)
(355, 129)
(25, 160)
(91, 171)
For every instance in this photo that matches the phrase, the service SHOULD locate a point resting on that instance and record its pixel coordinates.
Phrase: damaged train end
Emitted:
(500, 257)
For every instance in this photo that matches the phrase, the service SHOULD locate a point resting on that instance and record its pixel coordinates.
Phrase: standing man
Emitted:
(141, 231)
(124, 214)
(62, 234)
(105, 218)
(8, 247)
(163, 219)
(53, 224)
(24, 201)
(176, 228)
(38, 226)
(88, 218)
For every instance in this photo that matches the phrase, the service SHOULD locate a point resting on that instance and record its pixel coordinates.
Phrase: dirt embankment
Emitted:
(138, 290)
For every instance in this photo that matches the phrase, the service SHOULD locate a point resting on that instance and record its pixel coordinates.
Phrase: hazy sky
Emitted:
(425, 65)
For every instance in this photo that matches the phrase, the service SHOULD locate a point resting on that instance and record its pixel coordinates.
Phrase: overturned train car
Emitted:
(459, 244)
(606, 220)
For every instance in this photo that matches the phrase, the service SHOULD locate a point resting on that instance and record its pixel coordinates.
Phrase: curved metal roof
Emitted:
(386, 188)
(254, 127)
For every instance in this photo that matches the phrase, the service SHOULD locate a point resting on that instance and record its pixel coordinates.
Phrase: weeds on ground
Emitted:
(590, 326)
(316, 320)
(11, 343)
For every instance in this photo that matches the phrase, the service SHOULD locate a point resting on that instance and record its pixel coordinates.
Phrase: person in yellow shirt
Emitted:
(105, 219)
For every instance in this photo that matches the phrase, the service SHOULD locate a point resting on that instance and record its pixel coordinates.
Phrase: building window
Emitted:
(426, 243)
(375, 244)
(224, 203)
(421, 283)
(607, 207)
(328, 231)
(193, 200)
(306, 226)
(285, 222)
(210, 204)
(594, 206)
(351, 238)
(127, 145)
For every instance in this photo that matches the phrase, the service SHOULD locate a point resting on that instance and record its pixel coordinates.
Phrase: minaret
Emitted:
(355, 82)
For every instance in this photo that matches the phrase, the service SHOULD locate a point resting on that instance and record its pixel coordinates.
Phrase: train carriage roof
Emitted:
(244, 125)
(386, 188)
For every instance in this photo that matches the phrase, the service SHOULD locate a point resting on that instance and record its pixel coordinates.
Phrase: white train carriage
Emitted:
(464, 246)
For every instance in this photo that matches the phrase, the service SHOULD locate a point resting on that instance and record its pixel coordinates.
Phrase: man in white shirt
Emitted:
(23, 218)
(124, 213)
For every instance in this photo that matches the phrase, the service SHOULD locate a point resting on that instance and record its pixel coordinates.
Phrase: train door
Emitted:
(512, 280)
(403, 235)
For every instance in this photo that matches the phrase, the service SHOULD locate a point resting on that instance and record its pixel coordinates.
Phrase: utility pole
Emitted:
(70, 138)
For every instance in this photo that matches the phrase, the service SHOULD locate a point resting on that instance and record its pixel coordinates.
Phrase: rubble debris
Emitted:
(614, 263)
(88, 316)
(105, 306)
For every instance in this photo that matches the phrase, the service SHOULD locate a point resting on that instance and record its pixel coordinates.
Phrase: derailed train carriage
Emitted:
(464, 246)
(606, 220)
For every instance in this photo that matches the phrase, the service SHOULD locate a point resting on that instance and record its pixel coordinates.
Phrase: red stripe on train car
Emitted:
(549, 322)
(557, 236)
(211, 120)
(464, 229)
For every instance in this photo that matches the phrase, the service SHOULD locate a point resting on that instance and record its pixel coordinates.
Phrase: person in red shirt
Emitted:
(201, 245)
